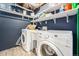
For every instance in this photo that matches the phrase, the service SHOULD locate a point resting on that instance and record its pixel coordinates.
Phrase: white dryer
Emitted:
(28, 40)
(54, 43)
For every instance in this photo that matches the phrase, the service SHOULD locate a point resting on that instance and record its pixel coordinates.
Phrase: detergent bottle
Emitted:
(68, 6)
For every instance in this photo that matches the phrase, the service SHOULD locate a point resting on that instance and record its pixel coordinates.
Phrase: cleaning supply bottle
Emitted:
(74, 5)
(68, 6)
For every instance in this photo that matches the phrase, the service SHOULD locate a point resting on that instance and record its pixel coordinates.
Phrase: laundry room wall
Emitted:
(61, 24)
(10, 29)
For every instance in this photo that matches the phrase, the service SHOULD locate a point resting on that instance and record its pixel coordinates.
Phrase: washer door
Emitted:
(46, 48)
(23, 41)
(23, 38)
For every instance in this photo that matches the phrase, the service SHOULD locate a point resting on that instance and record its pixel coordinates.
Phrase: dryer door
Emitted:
(46, 48)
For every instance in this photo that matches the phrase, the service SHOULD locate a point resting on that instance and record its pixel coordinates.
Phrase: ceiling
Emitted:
(31, 6)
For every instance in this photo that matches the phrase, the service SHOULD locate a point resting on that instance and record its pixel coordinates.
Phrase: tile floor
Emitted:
(16, 51)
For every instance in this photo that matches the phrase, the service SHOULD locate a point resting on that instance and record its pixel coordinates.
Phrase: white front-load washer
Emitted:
(54, 43)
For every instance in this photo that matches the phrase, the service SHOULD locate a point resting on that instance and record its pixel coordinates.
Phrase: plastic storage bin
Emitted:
(6, 6)
(3, 6)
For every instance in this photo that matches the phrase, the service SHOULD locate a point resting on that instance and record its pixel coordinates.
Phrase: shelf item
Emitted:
(58, 15)
(16, 13)
(48, 9)
(22, 10)
(68, 6)
(5, 6)
(74, 5)
(15, 9)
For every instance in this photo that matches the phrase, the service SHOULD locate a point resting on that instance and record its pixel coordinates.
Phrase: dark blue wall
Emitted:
(10, 30)
(61, 24)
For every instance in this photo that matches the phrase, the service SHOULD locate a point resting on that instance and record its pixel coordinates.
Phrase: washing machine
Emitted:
(54, 43)
(28, 40)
